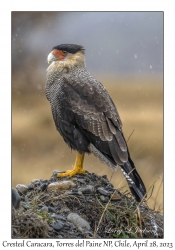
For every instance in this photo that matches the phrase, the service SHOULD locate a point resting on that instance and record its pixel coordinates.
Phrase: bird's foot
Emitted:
(78, 167)
(74, 171)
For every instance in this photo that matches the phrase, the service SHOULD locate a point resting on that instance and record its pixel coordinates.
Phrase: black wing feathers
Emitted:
(94, 112)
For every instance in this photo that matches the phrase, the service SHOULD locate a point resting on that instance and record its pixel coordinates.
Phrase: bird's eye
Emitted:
(64, 51)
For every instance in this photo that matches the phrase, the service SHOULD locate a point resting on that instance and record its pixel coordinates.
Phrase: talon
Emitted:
(71, 173)
(78, 167)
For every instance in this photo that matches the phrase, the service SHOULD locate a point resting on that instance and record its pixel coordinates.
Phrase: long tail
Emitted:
(135, 182)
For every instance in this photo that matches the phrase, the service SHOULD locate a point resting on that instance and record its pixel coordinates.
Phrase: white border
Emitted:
(5, 93)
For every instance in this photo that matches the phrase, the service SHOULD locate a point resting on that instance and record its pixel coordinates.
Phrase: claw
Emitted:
(71, 173)
(78, 167)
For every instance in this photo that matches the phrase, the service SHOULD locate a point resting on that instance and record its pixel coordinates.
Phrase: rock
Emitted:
(74, 178)
(58, 216)
(44, 209)
(40, 206)
(90, 199)
(51, 209)
(102, 191)
(44, 181)
(73, 192)
(79, 234)
(35, 181)
(25, 206)
(50, 229)
(104, 198)
(78, 221)
(71, 225)
(55, 172)
(86, 189)
(104, 180)
(115, 197)
(88, 234)
(55, 204)
(61, 217)
(80, 229)
(58, 225)
(30, 186)
(110, 187)
(82, 181)
(52, 179)
(22, 188)
(59, 236)
(43, 186)
(66, 210)
(37, 189)
(15, 198)
(91, 183)
(61, 185)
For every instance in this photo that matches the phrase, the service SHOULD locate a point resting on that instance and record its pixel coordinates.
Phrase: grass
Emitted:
(130, 220)
(123, 217)
(45, 216)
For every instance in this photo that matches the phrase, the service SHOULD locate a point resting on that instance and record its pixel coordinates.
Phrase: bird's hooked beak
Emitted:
(51, 58)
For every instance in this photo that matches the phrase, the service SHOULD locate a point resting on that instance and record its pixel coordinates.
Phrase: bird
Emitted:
(86, 116)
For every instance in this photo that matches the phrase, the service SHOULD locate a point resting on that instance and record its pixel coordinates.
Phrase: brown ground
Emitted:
(38, 149)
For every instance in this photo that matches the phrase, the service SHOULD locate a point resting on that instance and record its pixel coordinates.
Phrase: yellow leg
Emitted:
(78, 167)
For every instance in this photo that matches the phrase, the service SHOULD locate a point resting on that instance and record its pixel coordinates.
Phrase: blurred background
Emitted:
(124, 51)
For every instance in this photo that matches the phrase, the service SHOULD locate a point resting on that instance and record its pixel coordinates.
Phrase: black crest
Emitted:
(70, 48)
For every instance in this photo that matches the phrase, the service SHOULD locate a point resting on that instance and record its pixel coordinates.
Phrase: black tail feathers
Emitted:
(135, 182)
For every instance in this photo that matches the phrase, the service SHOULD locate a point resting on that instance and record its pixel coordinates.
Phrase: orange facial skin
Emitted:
(59, 54)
